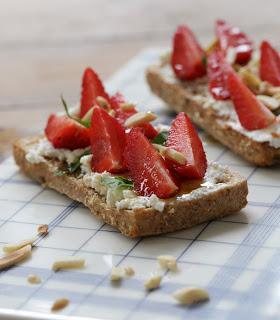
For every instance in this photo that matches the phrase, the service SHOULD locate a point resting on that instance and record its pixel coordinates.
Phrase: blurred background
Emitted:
(45, 45)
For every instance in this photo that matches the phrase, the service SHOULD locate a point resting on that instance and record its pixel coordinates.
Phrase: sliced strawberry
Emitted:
(147, 169)
(270, 64)
(187, 55)
(252, 113)
(217, 69)
(183, 138)
(122, 115)
(67, 133)
(92, 87)
(107, 142)
(232, 37)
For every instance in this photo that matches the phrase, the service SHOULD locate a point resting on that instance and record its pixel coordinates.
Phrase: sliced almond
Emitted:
(165, 58)
(112, 113)
(139, 118)
(43, 229)
(211, 46)
(60, 304)
(167, 262)
(102, 102)
(15, 257)
(153, 282)
(116, 274)
(190, 296)
(127, 106)
(270, 102)
(9, 248)
(250, 79)
(129, 271)
(73, 263)
(170, 153)
(33, 279)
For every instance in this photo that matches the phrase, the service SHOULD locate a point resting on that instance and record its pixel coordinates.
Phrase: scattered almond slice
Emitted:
(153, 282)
(103, 103)
(129, 271)
(190, 296)
(116, 274)
(15, 257)
(126, 106)
(139, 118)
(73, 263)
(33, 279)
(271, 102)
(168, 262)
(12, 247)
(43, 229)
(112, 113)
(60, 304)
(211, 46)
(170, 153)
(165, 58)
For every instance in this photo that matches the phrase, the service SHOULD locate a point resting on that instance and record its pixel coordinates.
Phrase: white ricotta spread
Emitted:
(225, 109)
(44, 149)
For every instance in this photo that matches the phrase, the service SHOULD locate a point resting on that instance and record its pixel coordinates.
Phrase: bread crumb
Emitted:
(167, 262)
(60, 304)
(153, 282)
(33, 279)
(190, 296)
(129, 271)
(43, 229)
(15, 257)
(73, 263)
(116, 274)
(12, 247)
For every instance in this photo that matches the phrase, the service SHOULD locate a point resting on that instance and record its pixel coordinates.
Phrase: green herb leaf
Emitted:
(85, 123)
(117, 182)
(60, 173)
(204, 60)
(161, 138)
(75, 165)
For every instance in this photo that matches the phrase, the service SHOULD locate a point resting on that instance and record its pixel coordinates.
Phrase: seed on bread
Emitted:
(139, 118)
(15, 257)
(60, 304)
(43, 229)
(153, 282)
(167, 262)
(190, 296)
(12, 247)
(73, 263)
(33, 279)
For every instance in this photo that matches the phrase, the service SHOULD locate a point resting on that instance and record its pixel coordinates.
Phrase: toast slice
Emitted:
(206, 201)
(191, 97)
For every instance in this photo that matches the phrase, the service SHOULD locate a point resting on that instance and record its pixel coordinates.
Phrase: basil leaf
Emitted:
(204, 60)
(75, 165)
(161, 138)
(85, 123)
(117, 182)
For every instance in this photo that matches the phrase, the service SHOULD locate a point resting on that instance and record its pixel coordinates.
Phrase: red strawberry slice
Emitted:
(67, 133)
(217, 69)
(232, 37)
(187, 55)
(252, 113)
(122, 115)
(147, 169)
(183, 138)
(270, 64)
(92, 87)
(107, 142)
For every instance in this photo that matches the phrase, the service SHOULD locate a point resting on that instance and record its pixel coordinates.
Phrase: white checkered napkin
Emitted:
(236, 259)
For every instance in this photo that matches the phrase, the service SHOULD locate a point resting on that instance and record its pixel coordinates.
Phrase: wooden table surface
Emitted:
(45, 45)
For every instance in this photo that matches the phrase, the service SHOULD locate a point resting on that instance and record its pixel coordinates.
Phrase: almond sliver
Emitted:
(68, 264)
(15, 257)
(43, 229)
(170, 153)
(126, 106)
(102, 102)
(139, 118)
(271, 102)
(60, 304)
(9, 248)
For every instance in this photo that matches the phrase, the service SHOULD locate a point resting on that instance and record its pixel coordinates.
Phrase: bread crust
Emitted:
(177, 215)
(179, 99)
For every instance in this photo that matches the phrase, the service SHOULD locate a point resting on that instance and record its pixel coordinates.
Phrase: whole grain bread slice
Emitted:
(228, 198)
(178, 98)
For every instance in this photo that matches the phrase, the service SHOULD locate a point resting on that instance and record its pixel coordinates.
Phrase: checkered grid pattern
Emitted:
(236, 258)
